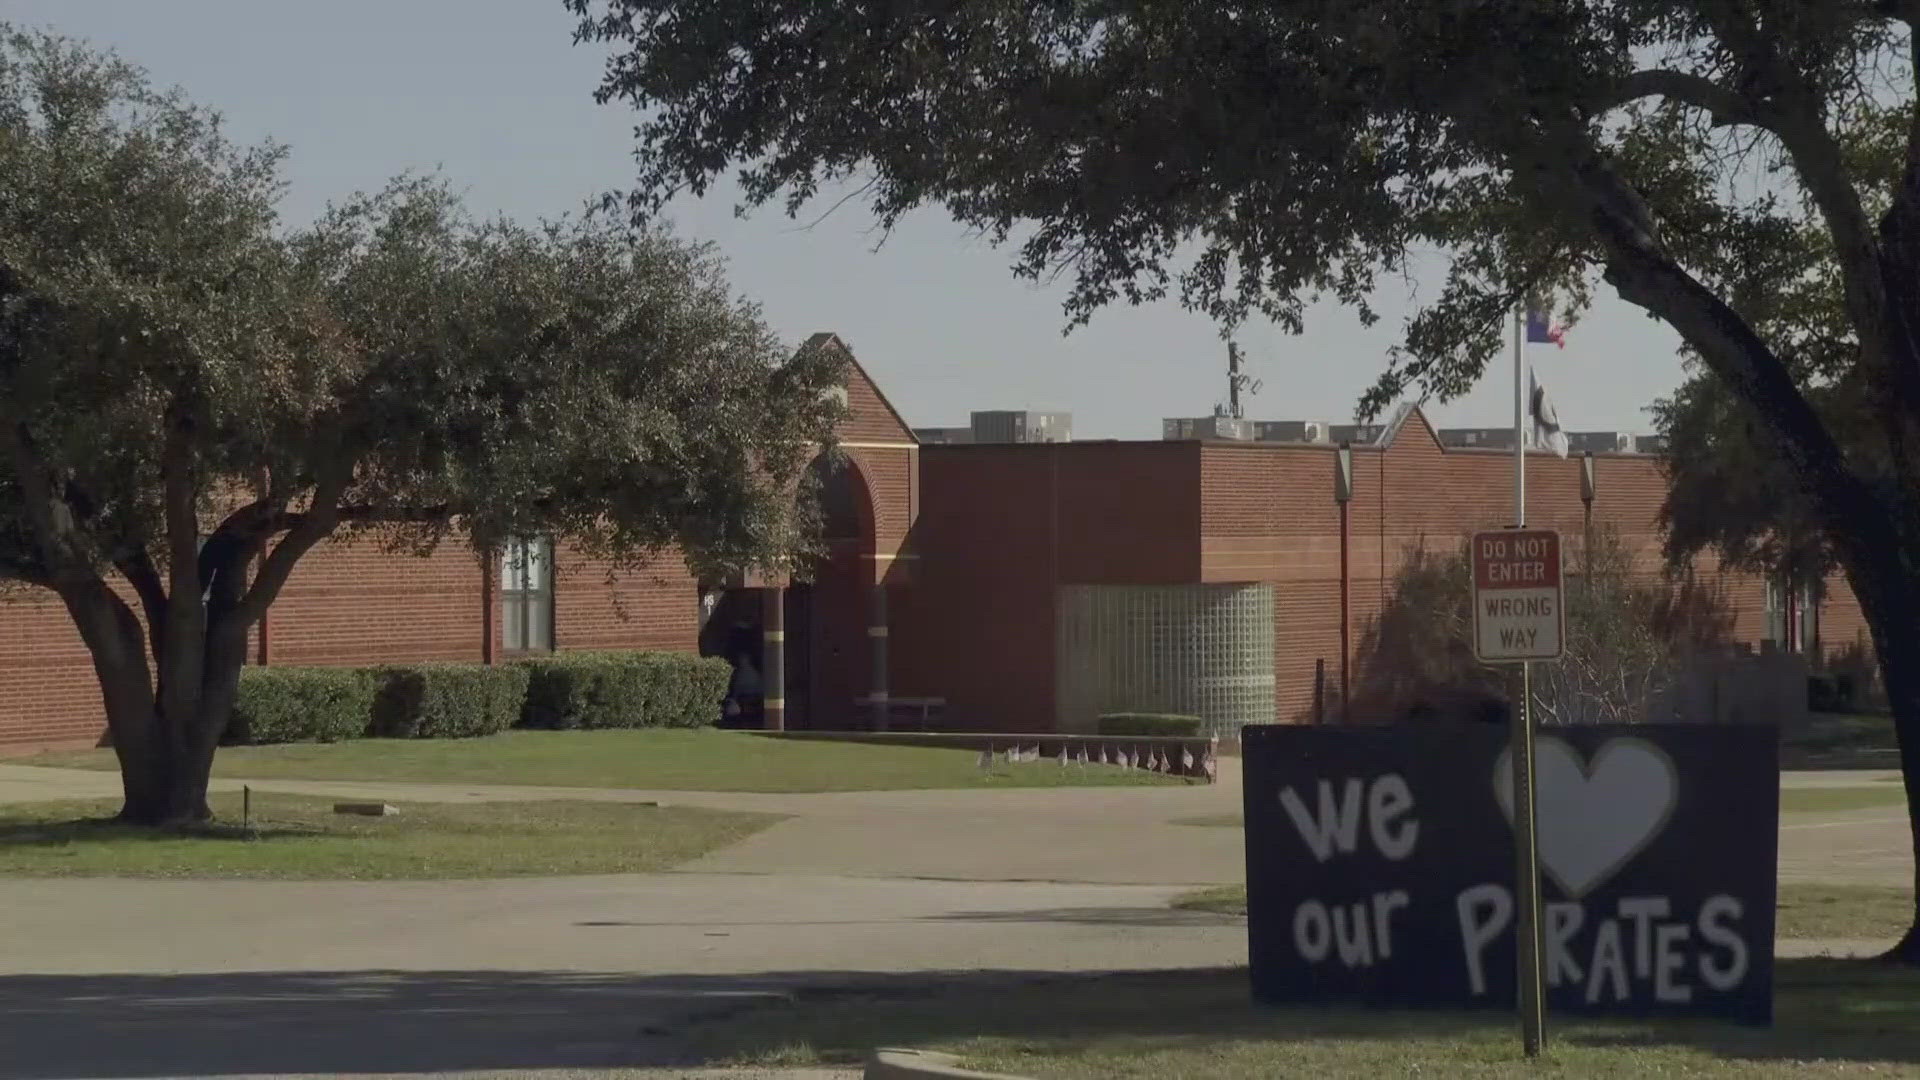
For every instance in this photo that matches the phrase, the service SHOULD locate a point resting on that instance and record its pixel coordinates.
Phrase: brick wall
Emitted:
(656, 607)
(976, 625)
(349, 602)
(1002, 527)
(48, 694)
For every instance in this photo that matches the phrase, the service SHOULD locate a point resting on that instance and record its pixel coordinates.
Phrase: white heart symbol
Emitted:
(1591, 820)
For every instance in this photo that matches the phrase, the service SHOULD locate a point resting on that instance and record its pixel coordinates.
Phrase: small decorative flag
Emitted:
(986, 758)
(1186, 759)
(1104, 759)
(1063, 755)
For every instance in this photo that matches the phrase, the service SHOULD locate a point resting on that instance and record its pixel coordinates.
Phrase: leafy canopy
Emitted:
(182, 382)
(1746, 171)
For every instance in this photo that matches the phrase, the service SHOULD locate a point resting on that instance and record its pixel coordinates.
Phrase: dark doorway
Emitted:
(735, 631)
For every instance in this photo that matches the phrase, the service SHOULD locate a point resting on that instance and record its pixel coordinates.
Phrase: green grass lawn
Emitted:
(1835, 1018)
(1806, 911)
(295, 837)
(664, 760)
(1802, 800)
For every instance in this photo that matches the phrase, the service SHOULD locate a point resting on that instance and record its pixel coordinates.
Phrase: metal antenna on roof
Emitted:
(1237, 380)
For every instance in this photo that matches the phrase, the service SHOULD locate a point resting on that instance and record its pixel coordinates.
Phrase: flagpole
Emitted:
(1531, 995)
(1519, 416)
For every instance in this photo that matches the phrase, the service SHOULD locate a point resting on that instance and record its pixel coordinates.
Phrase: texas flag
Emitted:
(1541, 331)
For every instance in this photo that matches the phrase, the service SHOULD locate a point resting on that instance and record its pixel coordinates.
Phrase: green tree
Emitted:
(1253, 157)
(190, 402)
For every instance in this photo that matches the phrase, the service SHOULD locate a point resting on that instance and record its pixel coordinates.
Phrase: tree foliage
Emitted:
(191, 398)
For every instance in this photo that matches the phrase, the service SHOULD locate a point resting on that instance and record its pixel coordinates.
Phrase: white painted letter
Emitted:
(1350, 935)
(1383, 907)
(1643, 910)
(1563, 921)
(1484, 911)
(1608, 959)
(1722, 978)
(1338, 827)
(1389, 799)
(1671, 935)
(1311, 934)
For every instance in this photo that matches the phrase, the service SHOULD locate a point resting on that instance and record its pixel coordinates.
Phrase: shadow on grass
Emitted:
(108, 830)
(112, 1026)
(1835, 1010)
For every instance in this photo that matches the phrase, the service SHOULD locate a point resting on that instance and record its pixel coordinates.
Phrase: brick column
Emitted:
(877, 635)
(773, 657)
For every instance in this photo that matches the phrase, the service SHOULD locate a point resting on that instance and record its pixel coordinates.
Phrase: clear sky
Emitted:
(494, 93)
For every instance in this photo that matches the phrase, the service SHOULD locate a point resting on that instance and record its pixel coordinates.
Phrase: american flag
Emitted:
(1542, 331)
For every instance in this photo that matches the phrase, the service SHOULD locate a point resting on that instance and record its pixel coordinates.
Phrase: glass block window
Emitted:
(1199, 650)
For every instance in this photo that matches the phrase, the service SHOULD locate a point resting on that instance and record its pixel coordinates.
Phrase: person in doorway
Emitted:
(744, 691)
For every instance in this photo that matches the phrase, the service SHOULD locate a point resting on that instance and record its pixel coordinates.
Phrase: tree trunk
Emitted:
(165, 754)
(165, 784)
(1898, 642)
(173, 767)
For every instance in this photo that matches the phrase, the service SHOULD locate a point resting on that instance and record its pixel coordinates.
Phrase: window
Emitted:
(1803, 621)
(526, 596)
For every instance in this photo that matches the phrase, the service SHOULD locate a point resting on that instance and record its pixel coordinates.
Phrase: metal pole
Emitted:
(1346, 622)
(1530, 994)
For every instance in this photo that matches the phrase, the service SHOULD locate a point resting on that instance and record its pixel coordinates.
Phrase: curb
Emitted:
(887, 1064)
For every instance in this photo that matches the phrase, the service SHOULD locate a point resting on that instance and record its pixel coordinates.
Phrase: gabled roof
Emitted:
(829, 339)
(1406, 411)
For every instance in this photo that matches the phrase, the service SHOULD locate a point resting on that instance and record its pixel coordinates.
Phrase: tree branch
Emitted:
(180, 508)
(1725, 106)
(1794, 115)
(48, 516)
(1646, 276)
(137, 567)
(303, 531)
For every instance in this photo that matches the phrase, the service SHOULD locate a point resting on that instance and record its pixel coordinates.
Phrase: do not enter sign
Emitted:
(1519, 610)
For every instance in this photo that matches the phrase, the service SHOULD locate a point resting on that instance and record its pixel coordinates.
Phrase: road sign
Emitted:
(1519, 609)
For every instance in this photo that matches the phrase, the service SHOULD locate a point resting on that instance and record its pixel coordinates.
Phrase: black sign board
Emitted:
(1380, 866)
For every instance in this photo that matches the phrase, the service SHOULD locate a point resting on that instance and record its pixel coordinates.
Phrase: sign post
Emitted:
(1519, 616)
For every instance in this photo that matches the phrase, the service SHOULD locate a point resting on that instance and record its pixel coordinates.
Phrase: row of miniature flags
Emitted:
(1125, 757)
(1545, 432)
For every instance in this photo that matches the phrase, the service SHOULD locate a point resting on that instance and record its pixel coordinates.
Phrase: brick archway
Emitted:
(830, 652)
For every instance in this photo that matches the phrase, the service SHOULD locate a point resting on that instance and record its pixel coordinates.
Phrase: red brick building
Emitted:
(1047, 570)
(987, 587)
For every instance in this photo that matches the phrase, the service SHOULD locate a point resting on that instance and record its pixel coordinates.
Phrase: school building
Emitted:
(1008, 587)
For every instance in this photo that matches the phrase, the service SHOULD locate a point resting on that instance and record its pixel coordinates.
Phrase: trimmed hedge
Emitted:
(300, 704)
(1167, 725)
(447, 701)
(623, 690)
